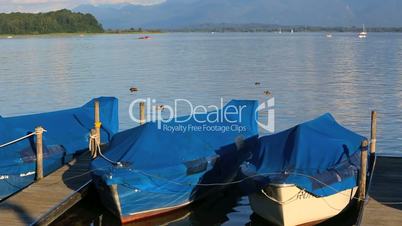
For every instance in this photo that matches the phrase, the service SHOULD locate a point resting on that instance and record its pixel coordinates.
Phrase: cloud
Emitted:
(138, 2)
(49, 5)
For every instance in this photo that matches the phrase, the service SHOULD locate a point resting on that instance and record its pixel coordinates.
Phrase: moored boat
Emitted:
(145, 37)
(149, 171)
(67, 134)
(363, 34)
(305, 174)
(287, 204)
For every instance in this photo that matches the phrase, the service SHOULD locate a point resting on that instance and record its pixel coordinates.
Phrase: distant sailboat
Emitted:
(329, 35)
(363, 34)
(280, 31)
(291, 31)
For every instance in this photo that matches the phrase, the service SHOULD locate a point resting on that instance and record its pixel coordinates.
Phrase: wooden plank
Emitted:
(384, 204)
(44, 201)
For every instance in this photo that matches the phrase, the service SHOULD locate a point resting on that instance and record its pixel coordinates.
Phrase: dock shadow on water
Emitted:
(217, 209)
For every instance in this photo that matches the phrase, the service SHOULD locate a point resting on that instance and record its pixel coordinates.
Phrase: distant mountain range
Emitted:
(173, 14)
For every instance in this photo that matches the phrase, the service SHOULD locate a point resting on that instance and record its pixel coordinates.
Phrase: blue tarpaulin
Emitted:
(162, 165)
(67, 133)
(319, 156)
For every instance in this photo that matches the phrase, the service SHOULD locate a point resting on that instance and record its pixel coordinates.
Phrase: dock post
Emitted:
(93, 146)
(142, 113)
(373, 140)
(39, 152)
(363, 172)
(97, 123)
(373, 132)
(98, 221)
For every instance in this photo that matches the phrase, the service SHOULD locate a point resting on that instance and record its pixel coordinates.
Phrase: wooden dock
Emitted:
(384, 193)
(44, 201)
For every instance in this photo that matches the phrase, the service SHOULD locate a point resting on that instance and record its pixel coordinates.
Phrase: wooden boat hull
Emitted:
(112, 201)
(289, 205)
(130, 204)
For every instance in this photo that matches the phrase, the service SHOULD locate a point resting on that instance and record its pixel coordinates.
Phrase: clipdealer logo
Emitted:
(267, 106)
(220, 118)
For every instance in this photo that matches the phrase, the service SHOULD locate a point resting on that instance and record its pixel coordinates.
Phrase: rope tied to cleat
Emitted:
(92, 142)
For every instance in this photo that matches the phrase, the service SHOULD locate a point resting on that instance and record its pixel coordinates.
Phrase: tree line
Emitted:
(61, 21)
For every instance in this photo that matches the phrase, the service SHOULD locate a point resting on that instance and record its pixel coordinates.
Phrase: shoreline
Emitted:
(83, 34)
(76, 34)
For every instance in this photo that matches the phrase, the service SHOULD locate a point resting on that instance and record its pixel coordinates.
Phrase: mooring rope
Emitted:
(20, 139)
(17, 140)
(278, 201)
(227, 184)
(99, 150)
(119, 164)
(291, 199)
(253, 176)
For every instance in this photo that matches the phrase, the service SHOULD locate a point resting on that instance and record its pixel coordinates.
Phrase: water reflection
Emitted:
(227, 207)
(210, 211)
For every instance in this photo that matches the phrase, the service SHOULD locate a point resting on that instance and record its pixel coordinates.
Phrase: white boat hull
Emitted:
(288, 205)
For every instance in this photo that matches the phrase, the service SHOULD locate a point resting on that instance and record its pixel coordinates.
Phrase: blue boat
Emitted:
(67, 134)
(305, 174)
(154, 169)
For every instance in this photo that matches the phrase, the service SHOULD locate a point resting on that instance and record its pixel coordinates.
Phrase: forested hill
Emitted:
(62, 21)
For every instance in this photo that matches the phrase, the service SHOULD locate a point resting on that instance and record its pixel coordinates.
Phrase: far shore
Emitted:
(79, 34)
(5, 36)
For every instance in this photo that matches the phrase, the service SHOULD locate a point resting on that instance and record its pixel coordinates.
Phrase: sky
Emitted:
(49, 5)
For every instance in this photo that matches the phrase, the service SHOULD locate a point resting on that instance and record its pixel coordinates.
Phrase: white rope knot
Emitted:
(39, 130)
(95, 149)
(92, 144)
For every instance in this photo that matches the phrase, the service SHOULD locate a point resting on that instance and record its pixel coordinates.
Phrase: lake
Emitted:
(307, 73)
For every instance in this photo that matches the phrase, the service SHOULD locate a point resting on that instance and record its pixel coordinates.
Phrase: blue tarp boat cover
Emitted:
(162, 165)
(67, 133)
(319, 156)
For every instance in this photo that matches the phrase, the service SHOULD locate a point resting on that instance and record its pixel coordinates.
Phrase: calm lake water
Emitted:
(307, 73)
